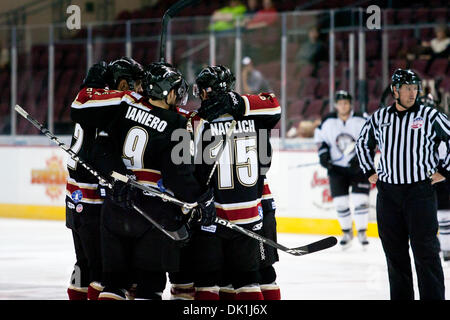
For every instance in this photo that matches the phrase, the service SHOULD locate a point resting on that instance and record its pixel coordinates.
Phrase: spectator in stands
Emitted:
(267, 16)
(312, 51)
(440, 45)
(252, 7)
(224, 19)
(253, 81)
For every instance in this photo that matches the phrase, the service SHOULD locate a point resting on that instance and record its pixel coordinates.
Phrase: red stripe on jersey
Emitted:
(87, 193)
(266, 190)
(147, 176)
(235, 215)
(97, 95)
(94, 94)
(262, 101)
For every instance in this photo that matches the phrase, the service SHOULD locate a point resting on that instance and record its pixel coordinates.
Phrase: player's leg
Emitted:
(154, 255)
(116, 252)
(269, 255)
(182, 281)
(443, 214)
(89, 232)
(242, 254)
(360, 199)
(339, 187)
(208, 262)
(150, 284)
(79, 280)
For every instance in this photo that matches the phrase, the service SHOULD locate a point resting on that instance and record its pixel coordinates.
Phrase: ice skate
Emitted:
(362, 237)
(346, 240)
(446, 256)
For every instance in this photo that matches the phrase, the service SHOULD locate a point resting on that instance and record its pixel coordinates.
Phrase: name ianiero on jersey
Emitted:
(242, 126)
(145, 118)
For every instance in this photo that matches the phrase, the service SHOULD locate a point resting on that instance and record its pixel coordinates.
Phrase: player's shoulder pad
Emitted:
(92, 96)
(261, 104)
(327, 117)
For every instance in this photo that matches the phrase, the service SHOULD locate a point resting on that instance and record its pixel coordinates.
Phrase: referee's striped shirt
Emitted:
(408, 142)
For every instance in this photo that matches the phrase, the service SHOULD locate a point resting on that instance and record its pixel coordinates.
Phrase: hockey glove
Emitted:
(96, 77)
(325, 160)
(205, 213)
(220, 104)
(123, 194)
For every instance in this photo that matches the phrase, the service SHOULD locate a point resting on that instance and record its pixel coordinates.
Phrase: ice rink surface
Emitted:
(37, 257)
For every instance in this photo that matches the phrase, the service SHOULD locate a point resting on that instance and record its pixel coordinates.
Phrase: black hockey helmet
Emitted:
(405, 76)
(161, 78)
(214, 79)
(342, 95)
(124, 68)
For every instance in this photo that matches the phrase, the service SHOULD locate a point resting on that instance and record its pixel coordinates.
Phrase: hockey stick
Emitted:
(349, 149)
(299, 251)
(175, 235)
(172, 11)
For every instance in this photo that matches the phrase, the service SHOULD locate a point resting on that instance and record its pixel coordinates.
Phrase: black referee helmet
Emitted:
(405, 76)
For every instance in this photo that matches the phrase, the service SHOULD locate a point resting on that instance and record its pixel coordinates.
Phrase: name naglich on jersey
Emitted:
(242, 126)
(145, 118)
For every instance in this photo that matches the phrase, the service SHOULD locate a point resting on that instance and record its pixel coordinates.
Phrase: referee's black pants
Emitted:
(409, 213)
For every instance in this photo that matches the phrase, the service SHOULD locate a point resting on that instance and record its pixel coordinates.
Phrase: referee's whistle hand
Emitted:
(373, 178)
(437, 177)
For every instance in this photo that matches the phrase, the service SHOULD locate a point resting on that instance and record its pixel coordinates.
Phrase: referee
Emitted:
(407, 134)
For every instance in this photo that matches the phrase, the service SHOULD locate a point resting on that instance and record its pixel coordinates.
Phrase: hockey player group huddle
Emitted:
(128, 119)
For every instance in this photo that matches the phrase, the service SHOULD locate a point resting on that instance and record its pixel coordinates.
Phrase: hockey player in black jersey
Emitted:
(83, 194)
(142, 128)
(238, 183)
(336, 137)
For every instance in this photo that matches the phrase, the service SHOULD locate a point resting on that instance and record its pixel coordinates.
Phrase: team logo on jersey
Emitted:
(257, 226)
(79, 208)
(260, 211)
(343, 140)
(70, 205)
(77, 195)
(417, 123)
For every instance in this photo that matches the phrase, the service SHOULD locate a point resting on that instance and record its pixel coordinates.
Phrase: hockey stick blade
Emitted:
(299, 251)
(314, 247)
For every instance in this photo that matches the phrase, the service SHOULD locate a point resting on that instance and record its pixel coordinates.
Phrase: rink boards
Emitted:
(34, 178)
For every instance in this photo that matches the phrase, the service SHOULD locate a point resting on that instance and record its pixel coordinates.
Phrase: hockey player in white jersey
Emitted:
(336, 137)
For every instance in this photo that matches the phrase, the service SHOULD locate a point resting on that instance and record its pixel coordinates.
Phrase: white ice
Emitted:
(37, 257)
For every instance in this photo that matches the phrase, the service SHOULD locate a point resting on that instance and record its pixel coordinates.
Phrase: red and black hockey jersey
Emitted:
(142, 135)
(239, 177)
